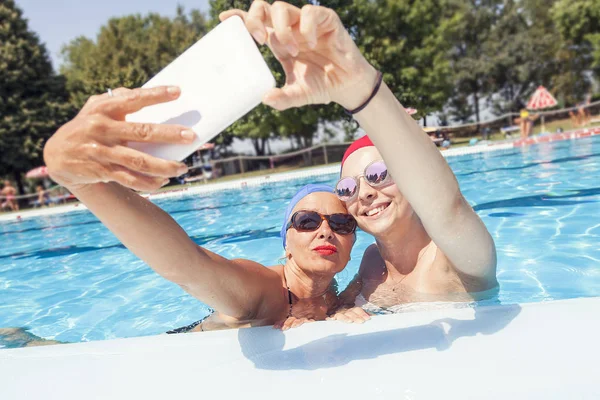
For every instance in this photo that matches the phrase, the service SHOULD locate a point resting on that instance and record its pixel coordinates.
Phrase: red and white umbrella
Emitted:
(541, 99)
(37, 173)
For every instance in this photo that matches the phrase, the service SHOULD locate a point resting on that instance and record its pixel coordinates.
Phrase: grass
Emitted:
(565, 124)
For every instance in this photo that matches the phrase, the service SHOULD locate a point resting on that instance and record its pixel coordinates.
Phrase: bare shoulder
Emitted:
(372, 265)
(257, 268)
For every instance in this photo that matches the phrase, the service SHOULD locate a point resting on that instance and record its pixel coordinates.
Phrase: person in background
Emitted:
(43, 198)
(583, 112)
(525, 122)
(9, 195)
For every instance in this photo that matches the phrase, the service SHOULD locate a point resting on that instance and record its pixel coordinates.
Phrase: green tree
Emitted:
(408, 41)
(459, 109)
(576, 19)
(471, 64)
(403, 38)
(523, 47)
(578, 22)
(33, 100)
(127, 52)
(264, 123)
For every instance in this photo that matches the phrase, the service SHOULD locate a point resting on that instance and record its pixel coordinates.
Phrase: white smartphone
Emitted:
(222, 77)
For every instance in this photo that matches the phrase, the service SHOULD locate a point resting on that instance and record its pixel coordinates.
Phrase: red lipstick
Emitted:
(326, 250)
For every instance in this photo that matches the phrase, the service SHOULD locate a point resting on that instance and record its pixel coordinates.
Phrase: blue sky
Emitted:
(58, 22)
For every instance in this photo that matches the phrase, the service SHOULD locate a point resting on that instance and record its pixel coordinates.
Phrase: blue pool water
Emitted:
(66, 277)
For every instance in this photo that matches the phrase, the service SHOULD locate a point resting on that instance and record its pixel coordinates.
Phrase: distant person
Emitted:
(9, 195)
(485, 133)
(583, 112)
(433, 137)
(525, 122)
(445, 145)
(43, 197)
(574, 115)
(580, 116)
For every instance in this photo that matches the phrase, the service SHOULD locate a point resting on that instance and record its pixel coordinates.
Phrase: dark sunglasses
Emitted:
(309, 221)
(376, 175)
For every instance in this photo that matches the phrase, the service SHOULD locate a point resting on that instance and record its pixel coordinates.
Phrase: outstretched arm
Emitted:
(429, 185)
(234, 287)
(323, 64)
(89, 156)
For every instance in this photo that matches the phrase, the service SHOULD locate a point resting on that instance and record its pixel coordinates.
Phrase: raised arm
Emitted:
(89, 152)
(427, 182)
(323, 64)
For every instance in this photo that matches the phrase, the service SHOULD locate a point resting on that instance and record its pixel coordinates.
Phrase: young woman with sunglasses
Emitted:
(435, 250)
(88, 156)
(430, 244)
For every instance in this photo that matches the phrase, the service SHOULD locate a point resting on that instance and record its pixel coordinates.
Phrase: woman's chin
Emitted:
(328, 264)
(376, 227)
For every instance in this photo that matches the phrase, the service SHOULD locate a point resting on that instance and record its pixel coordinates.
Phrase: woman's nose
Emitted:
(365, 191)
(325, 231)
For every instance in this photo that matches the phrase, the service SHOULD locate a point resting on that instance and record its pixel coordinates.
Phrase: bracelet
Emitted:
(366, 103)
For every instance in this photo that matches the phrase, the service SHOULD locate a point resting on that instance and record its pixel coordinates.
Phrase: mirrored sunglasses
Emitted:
(375, 174)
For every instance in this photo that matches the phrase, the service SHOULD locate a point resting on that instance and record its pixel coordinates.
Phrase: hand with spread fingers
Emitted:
(351, 315)
(292, 322)
(321, 61)
(92, 147)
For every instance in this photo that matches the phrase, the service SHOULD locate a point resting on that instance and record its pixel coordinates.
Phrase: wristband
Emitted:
(366, 103)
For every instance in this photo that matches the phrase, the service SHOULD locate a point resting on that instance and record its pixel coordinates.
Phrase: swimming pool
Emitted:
(68, 278)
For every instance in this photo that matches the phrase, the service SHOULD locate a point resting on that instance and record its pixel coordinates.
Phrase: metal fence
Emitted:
(321, 154)
(331, 153)
(507, 120)
(313, 156)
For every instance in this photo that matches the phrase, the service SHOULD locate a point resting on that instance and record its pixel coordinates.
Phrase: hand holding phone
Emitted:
(222, 77)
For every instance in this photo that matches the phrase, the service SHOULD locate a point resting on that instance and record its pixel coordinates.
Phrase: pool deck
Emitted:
(311, 172)
(545, 350)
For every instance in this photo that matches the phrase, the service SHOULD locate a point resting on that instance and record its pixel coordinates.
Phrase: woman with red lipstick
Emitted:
(430, 244)
(317, 231)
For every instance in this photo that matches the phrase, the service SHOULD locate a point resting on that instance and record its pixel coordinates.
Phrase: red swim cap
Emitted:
(358, 144)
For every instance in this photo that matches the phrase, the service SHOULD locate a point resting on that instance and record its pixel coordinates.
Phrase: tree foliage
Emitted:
(405, 39)
(522, 49)
(33, 99)
(578, 22)
(263, 123)
(127, 52)
(445, 56)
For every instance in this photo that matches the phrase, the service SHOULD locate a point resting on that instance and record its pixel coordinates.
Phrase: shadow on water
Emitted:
(264, 347)
(541, 200)
(235, 237)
